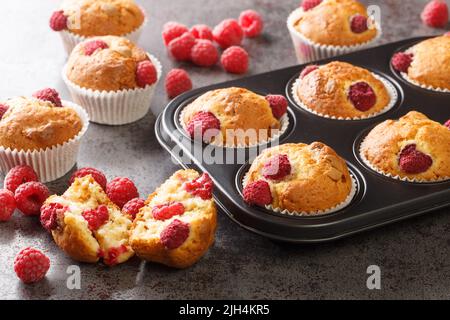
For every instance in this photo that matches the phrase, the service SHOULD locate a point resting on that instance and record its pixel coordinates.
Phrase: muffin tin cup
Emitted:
(306, 50)
(115, 107)
(52, 163)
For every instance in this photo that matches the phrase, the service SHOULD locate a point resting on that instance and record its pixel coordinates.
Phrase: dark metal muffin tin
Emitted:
(379, 200)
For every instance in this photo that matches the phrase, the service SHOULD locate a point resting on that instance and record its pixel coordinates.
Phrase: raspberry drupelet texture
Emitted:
(277, 167)
(307, 70)
(309, 4)
(173, 30)
(358, 24)
(91, 46)
(279, 105)
(98, 176)
(228, 33)
(3, 109)
(30, 196)
(18, 176)
(258, 193)
(168, 210)
(235, 60)
(401, 61)
(132, 207)
(7, 205)
(175, 234)
(50, 95)
(413, 161)
(201, 187)
(204, 124)
(447, 124)
(177, 82)
(121, 190)
(58, 21)
(362, 96)
(435, 14)
(146, 74)
(50, 213)
(180, 48)
(31, 265)
(252, 23)
(202, 31)
(96, 217)
(204, 53)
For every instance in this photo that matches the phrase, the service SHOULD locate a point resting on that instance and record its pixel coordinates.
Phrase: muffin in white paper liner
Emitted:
(52, 163)
(423, 86)
(115, 107)
(306, 50)
(387, 84)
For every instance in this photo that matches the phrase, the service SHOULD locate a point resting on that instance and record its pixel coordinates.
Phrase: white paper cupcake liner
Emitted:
(387, 84)
(307, 50)
(114, 107)
(52, 163)
(423, 86)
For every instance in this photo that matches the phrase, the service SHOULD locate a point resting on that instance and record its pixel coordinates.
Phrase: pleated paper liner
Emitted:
(423, 86)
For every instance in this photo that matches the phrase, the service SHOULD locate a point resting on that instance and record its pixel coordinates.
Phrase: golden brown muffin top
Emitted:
(329, 23)
(91, 18)
(32, 124)
(110, 69)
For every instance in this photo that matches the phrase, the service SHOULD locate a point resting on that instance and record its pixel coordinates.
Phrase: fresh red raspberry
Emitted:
(413, 161)
(201, 187)
(277, 167)
(309, 4)
(173, 30)
(177, 82)
(121, 190)
(50, 214)
(132, 207)
(58, 21)
(204, 53)
(98, 176)
(435, 14)
(31, 265)
(18, 176)
(96, 217)
(228, 33)
(258, 193)
(362, 96)
(235, 60)
(180, 48)
(30, 196)
(111, 257)
(168, 210)
(251, 23)
(358, 24)
(204, 124)
(202, 31)
(50, 95)
(91, 46)
(3, 109)
(307, 70)
(7, 204)
(447, 124)
(146, 74)
(175, 234)
(279, 105)
(401, 61)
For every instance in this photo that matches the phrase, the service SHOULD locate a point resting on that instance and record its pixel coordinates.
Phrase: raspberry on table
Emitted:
(252, 23)
(279, 105)
(235, 60)
(132, 207)
(413, 161)
(228, 33)
(96, 217)
(180, 48)
(30, 196)
(31, 265)
(168, 210)
(358, 24)
(203, 125)
(18, 176)
(175, 234)
(50, 95)
(309, 4)
(401, 61)
(97, 175)
(146, 74)
(277, 167)
(177, 82)
(50, 214)
(447, 124)
(91, 46)
(58, 21)
(362, 96)
(307, 70)
(258, 193)
(3, 109)
(204, 53)
(7, 205)
(201, 187)
(173, 30)
(121, 190)
(435, 14)
(202, 31)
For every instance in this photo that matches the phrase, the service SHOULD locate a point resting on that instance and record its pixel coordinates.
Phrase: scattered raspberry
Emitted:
(401, 61)
(173, 30)
(279, 105)
(96, 217)
(98, 176)
(204, 53)
(258, 193)
(30, 196)
(435, 14)
(18, 176)
(358, 24)
(235, 60)
(91, 46)
(252, 23)
(201, 187)
(180, 48)
(50, 214)
(413, 161)
(177, 82)
(204, 125)
(168, 210)
(132, 207)
(111, 258)
(121, 190)
(228, 33)
(3, 109)
(202, 31)
(7, 205)
(309, 4)
(307, 70)
(146, 74)
(447, 124)
(58, 21)
(362, 96)
(50, 95)
(175, 234)
(31, 265)
(277, 167)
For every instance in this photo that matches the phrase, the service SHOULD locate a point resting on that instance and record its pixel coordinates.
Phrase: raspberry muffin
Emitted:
(340, 90)
(112, 78)
(427, 64)
(87, 225)
(77, 20)
(41, 131)
(413, 148)
(235, 117)
(299, 179)
(178, 224)
(323, 29)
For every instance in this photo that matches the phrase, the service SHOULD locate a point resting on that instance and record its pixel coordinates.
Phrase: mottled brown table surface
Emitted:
(413, 255)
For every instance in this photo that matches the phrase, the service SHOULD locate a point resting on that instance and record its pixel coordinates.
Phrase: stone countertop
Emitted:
(413, 255)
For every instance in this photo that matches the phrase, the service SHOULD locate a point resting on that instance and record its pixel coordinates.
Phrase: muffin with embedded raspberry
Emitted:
(77, 20)
(412, 148)
(427, 64)
(235, 117)
(340, 90)
(87, 225)
(178, 224)
(112, 78)
(299, 179)
(43, 132)
(325, 28)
